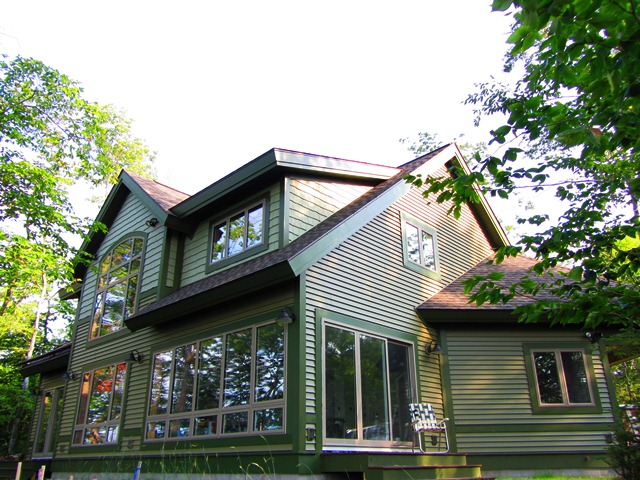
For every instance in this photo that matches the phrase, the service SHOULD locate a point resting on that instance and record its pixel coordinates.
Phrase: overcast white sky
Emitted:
(212, 85)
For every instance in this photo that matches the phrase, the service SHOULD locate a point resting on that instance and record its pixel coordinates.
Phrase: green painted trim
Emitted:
(604, 427)
(538, 409)
(365, 326)
(197, 463)
(310, 255)
(407, 218)
(285, 212)
(167, 241)
(608, 374)
(447, 392)
(151, 293)
(262, 442)
(541, 462)
(222, 294)
(96, 342)
(265, 200)
(295, 373)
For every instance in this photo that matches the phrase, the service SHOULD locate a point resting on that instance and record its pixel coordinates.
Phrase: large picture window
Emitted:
(118, 279)
(101, 400)
(368, 388)
(233, 383)
(238, 233)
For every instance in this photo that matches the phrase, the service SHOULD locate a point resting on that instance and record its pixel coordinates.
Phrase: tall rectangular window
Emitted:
(237, 233)
(101, 400)
(48, 422)
(117, 287)
(232, 383)
(368, 388)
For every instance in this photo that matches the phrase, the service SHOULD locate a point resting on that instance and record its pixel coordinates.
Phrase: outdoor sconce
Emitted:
(593, 337)
(68, 375)
(152, 222)
(134, 356)
(311, 434)
(434, 348)
(285, 316)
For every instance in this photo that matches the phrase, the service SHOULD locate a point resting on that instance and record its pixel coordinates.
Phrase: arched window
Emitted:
(118, 277)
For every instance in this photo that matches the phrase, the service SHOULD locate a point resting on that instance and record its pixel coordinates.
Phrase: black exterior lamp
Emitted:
(434, 348)
(68, 375)
(134, 356)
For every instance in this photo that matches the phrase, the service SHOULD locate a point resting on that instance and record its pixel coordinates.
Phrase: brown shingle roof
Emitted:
(165, 196)
(187, 294)
(452, 298)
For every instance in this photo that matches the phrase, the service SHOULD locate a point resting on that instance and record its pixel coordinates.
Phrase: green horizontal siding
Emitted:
(365, 278)
(196, 249)
(489, 390)
(312, 201)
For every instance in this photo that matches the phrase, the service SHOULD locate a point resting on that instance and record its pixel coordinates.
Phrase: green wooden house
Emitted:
(279, 323)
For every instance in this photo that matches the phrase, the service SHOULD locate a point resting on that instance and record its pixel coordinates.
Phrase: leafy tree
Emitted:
(569, 123)
(51, 140)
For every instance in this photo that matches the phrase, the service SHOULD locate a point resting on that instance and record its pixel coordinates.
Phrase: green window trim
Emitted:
(118, 285)
(233, 383)
(544, 363)
(251, 227)
(420, 246)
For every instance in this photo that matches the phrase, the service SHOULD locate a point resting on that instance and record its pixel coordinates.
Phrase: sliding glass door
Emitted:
(368, 387)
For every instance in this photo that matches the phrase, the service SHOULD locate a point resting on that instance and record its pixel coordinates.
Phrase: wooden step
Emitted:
(424, 472)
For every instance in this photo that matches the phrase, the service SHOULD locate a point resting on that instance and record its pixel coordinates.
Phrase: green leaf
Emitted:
(575, 274)
(501, 5)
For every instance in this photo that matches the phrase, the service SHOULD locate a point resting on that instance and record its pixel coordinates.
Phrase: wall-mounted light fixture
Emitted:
(311, 434)
(152, 222)
(434, 348)
(593, 337)
(285, 316)
(134, 356)
(69, 375)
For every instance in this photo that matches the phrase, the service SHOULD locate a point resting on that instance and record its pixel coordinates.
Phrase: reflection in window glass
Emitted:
(268, 419)
(214, 387)
(340, 383)
(548, 377)
(183, 379)
(575, 374)
(373, 378)
(238, 233)
(100, 405)
(117, 287)
(209, 374)
(413, 243)
(160, 383)
(562, 378)
(237, 378)
(368, 386)
(254, 231)
(270, 363)
(428, 255)
(235, 422)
